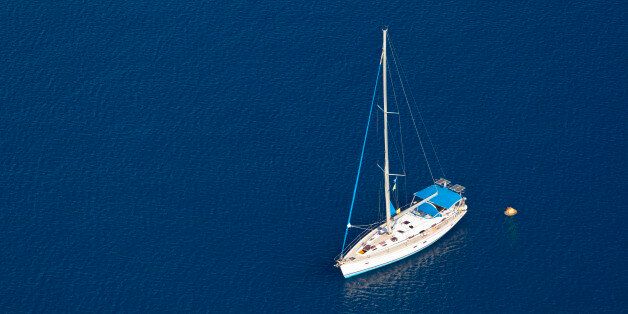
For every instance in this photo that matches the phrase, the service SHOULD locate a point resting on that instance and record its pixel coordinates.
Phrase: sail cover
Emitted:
(445, 197)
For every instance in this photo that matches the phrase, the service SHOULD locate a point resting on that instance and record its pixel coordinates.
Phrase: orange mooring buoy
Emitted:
(510, 211)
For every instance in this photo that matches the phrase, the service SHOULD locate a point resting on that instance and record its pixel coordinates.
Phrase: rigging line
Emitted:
(403, 155)
(379, 201)
(357, 177)
(379, 140)
(397, 151)
(412, 116)
(429, 138)
(403, 165)
(367, 225)
(362, 228)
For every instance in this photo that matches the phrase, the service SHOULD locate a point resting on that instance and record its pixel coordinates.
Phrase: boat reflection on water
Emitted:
(510, 228)
(407, 269)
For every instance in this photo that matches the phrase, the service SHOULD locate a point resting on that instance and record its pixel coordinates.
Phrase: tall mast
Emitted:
(386, 166)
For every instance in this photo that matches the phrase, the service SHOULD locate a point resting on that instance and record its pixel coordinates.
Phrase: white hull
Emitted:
(401, 251)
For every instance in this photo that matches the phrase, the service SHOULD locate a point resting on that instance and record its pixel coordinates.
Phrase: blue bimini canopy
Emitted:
(445, 198)
(429, 209)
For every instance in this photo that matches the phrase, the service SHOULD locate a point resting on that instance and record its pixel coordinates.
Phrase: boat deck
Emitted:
(405, 227)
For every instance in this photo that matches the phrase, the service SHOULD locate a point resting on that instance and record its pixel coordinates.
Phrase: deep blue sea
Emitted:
(200, 156)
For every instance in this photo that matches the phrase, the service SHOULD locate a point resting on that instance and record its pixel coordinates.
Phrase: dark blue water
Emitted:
(201, 156)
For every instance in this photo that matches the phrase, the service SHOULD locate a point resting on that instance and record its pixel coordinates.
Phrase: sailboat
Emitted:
(408, 229)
